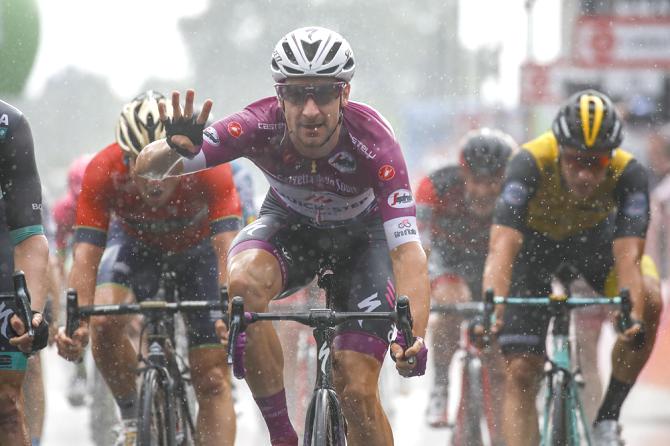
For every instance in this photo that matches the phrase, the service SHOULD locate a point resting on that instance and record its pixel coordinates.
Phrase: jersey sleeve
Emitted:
(426, 199)
(223, 202)
(632, 195)
(394, 196)
(521, 182)
(20, 182)
(93, 211)
(236, 135)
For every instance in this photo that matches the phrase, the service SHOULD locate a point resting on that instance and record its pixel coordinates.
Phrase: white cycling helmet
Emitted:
(313, 51)
(139, 123)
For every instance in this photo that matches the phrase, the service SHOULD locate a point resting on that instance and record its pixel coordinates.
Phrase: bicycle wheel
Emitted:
(327, 423)
(468, 428)
(559, 420)
(155, 424)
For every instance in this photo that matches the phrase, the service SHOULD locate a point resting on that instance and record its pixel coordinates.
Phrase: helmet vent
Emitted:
(333, 51)
(292, 70)
(327, 70)
(349, 65)
(310, 49)
(289, 53)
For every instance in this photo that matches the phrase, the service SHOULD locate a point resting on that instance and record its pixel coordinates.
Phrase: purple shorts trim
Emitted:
(361, 342)
(265, 246)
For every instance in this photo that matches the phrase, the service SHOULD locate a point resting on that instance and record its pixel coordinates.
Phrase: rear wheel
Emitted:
(155, 427)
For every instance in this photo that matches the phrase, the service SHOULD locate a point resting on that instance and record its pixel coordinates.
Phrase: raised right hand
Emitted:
(183, 131)
(72, 348)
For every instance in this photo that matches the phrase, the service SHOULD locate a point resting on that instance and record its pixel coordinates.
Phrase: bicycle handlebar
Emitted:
(74, 312)
(316, 318)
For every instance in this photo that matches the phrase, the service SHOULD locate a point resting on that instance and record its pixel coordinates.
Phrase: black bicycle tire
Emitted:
(467, 431)
(152, 387)
(558, 429)
(327, 428)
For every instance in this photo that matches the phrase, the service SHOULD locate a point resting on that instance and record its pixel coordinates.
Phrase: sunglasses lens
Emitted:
(297, 94)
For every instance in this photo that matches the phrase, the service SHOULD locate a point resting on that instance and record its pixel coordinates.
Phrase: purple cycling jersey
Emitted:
(365, 174)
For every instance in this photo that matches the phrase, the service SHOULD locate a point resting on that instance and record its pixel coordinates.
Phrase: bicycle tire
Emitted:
(558, 428)
(154, 425)
(327, 422)
(467, 431)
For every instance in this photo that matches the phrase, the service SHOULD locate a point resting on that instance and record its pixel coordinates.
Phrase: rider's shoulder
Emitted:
(362, 120)
(264, 111)
(108, 160)
(9, 114)
(447, 177)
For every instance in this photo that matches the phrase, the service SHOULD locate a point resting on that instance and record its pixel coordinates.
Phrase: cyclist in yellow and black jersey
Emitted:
(572, 195)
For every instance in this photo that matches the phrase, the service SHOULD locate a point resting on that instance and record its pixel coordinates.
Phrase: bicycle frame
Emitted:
(560, 371)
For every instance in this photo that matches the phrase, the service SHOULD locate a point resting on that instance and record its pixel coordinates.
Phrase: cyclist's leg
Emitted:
(364, 283)
(126, 271)
(12, 416)
(267, 257)
(445, 328)
(522, 341)
(197, 274)
(33, 391)
(627, 358)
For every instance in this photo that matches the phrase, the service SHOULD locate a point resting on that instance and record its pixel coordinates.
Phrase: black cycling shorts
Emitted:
(359, 257)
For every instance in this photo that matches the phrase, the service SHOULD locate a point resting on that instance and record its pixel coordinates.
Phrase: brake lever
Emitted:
(22, 300)
(235, 326)
(405, 323)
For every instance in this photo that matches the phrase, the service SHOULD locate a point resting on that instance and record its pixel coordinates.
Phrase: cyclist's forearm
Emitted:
(411, 279)
(31, 257)
(627, 257)
(84, 271)
(504, 246)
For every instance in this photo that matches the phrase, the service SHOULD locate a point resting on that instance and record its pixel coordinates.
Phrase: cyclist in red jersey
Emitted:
(127, 229)
(454, 212)
(340, 193)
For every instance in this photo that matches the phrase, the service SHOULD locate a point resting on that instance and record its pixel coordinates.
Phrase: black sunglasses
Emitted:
(322, 94)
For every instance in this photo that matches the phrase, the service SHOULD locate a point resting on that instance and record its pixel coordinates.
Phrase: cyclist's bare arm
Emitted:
(411, 279)
(159, 160)
(82, 278)
(504, 245)
(628, 253)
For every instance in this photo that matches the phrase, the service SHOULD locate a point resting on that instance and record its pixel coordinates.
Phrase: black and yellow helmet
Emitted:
(139, 123)
(588, 121)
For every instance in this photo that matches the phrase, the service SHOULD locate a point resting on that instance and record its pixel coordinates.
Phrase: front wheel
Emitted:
(156, 426)
(471, 425)
(559, 418)
(327, 426)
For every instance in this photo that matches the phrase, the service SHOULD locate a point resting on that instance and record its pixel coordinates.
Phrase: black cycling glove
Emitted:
(186, 127)
(41, 331)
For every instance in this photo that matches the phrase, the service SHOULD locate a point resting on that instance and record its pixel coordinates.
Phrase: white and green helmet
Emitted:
(313, 51)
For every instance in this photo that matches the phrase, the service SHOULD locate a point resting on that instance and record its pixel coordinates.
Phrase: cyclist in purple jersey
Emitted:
(339, 194)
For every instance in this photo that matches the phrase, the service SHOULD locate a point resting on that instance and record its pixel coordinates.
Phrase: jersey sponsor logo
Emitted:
(4, 119)
(363, 148)
(253, 227)
(401, 198)
(343, 161)
(319, 199)
(211, 136)
(270, 126)
(368, 305)
(3, 132)
(405, 228)
(386, 172)
(36, 206)
(235, 129)
(515, 193)
(5, 314)
(636, 205)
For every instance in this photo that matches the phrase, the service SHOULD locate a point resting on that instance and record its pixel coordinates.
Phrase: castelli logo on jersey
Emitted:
(235, 129)
(386, 172)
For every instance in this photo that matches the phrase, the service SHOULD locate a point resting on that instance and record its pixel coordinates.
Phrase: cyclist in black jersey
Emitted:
(22, 193)
(572, 196)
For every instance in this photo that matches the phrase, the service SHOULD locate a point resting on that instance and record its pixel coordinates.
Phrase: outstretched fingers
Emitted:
(188, 105)
(205, 111)
(176, 107)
